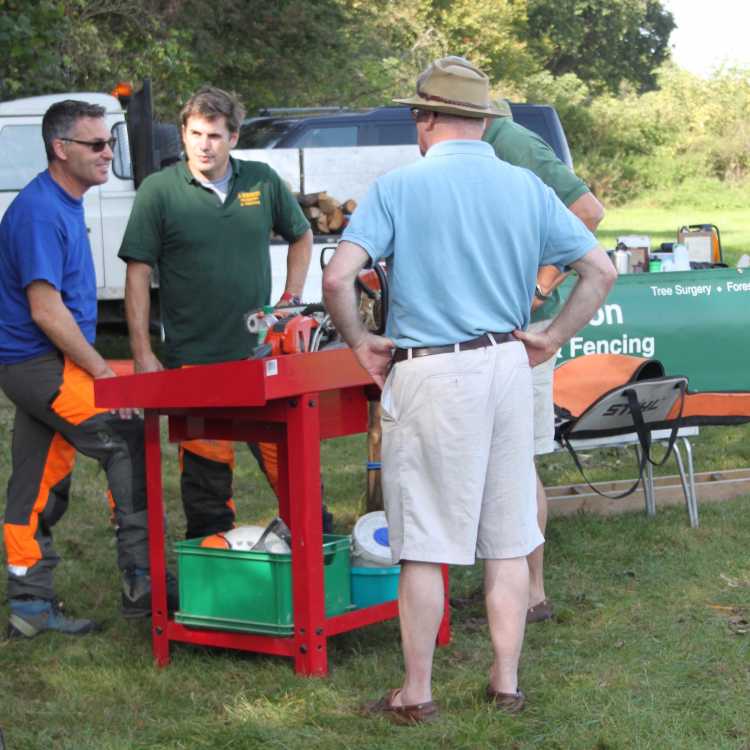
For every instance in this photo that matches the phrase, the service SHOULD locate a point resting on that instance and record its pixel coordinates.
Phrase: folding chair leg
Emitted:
(648, 488)
(688, 482)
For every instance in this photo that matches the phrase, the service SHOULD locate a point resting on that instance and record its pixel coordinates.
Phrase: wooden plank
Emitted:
(710, 486)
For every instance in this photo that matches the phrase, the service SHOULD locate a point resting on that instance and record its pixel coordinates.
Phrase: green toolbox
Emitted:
(251, 592)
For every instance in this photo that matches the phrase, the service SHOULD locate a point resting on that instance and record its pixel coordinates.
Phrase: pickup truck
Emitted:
(341, 153)
(383, 126)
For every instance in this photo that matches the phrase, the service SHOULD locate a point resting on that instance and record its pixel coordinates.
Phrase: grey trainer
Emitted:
(30, 617)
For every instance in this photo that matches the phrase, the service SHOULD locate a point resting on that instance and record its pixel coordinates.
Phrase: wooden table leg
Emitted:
(303, 471)
(159, 615)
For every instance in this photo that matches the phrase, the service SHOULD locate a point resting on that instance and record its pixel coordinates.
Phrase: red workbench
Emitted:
(295, 401)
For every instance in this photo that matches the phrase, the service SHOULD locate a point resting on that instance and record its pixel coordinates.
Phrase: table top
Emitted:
(244, 383)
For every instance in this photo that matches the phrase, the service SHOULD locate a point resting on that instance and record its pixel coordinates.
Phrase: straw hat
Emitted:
(454, 86)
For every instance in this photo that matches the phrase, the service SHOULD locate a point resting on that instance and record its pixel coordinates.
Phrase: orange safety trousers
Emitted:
(55, 417)
(206, 475)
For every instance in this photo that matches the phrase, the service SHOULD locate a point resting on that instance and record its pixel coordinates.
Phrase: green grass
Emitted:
(649, 651)
(661, 213)
(715, 448)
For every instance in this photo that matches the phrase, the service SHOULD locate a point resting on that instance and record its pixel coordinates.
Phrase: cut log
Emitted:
(336, 220)
(350, 206)
(310, 199)
(312, 212)
(327, 204)
(322, 222)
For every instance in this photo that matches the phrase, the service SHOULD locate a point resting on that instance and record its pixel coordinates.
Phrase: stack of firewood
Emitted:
(326, 214)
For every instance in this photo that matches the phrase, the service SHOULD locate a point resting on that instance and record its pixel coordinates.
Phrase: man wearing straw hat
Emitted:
(463, 234)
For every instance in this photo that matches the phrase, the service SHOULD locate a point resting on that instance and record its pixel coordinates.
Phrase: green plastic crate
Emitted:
(252, 591)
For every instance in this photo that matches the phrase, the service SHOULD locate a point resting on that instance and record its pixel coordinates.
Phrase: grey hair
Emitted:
(61, 118)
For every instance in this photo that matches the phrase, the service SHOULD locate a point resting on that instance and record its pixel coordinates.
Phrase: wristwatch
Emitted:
(290, 299)
(539, 294)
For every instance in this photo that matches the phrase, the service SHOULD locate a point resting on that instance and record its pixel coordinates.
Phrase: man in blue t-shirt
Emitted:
(463, 234)
(47, 368)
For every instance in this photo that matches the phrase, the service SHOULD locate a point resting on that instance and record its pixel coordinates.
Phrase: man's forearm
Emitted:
(138, 309)
(589, 210)
(341, 303)
(67, 337)
(297, 263)
(339, 293)
(596, 275)
(58, 324)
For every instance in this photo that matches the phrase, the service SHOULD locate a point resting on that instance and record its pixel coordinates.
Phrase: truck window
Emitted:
(262, 134)
(328, 137)
(122, 166)
(22, 155)
(392, 134)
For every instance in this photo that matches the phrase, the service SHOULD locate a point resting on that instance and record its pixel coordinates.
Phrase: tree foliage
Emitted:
(89, 45)
(603, 43)
(313, 52)
(687, 127)
(634, 122)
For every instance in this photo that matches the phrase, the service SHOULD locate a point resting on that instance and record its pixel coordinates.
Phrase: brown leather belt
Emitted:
(480, 341)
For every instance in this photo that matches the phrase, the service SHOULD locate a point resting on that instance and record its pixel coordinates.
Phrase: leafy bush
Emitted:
(626, 145)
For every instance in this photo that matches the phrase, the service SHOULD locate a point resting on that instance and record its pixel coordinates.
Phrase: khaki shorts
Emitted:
(544, 408)
(457, 457)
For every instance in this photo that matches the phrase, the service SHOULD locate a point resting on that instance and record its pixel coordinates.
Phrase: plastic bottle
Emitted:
(622, 260)
(681, 258)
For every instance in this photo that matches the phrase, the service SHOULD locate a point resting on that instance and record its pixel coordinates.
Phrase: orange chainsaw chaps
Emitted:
(269, 452)
(579, 382)
(729, 408)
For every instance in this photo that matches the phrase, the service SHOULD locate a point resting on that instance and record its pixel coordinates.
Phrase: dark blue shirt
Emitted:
(43, 238)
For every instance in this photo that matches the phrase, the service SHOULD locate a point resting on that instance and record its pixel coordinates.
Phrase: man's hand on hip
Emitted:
(374, 354)
(539, 346)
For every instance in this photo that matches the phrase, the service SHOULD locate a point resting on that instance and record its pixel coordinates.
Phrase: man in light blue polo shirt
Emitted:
(463, 234)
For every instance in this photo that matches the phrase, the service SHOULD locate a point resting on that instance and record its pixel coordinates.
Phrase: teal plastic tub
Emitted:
(374, 585)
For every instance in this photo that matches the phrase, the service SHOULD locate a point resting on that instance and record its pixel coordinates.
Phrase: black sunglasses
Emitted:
(96, 146)
(419, 114)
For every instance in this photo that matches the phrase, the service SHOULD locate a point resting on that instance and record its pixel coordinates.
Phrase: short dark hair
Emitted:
(60, 119)
(211, 102)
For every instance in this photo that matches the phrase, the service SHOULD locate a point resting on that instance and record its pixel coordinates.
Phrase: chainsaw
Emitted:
(296, 329)
(290, 329)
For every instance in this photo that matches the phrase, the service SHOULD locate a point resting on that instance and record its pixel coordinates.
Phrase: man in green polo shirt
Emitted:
(205, 223)
(523, 148)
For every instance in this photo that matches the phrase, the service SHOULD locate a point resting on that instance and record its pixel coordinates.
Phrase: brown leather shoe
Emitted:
(539, 612)
(419, 713)
(509, 703)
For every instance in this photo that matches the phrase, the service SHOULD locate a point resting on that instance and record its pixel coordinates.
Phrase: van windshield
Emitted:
(263, 133)
(22, 155)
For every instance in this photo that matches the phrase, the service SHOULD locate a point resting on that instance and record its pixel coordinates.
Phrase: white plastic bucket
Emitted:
(370, 546)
